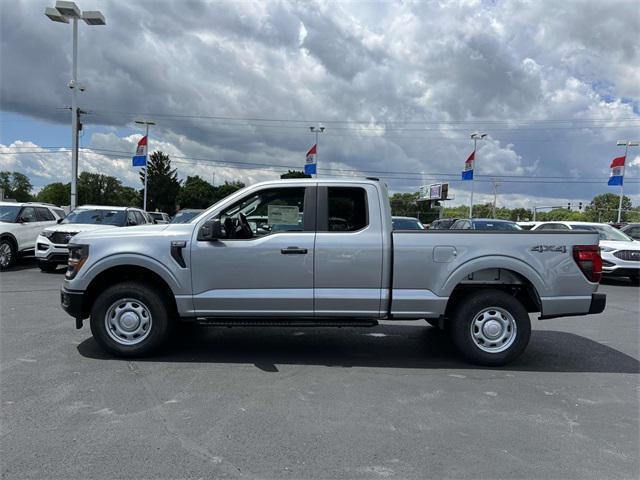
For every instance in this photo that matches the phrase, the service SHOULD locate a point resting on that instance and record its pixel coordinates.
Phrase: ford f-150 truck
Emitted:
(324, 253)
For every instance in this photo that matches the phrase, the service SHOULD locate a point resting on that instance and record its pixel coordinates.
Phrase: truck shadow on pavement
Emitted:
(384, 346)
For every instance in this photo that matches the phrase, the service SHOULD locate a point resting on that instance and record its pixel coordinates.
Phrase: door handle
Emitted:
(293, 251)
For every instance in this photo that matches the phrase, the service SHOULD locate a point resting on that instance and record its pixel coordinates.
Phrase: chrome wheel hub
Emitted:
(493, 330)
(128, 321)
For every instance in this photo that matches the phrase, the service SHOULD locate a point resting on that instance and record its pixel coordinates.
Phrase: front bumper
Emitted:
(72, 302)
(614, 266)
(48, 252)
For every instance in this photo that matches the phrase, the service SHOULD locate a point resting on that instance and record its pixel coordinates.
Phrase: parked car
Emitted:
(484, 224)
(442, 224)
(159, 217)
(51, 245)
(620, 252)
(632, 230)
(528, 225)
(186, 215)
(407, 223)
(135, 283)
(20, 224)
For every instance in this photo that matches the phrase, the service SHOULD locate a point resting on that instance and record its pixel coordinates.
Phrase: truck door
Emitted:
(264, 265)
(349, 252)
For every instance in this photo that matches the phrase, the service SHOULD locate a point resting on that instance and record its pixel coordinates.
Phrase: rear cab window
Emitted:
(344, 210)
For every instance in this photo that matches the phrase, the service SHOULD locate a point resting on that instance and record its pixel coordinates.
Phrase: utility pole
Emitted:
(495, 184)
(146, 123)
(475, 137)
(627, 144)
(317, 130)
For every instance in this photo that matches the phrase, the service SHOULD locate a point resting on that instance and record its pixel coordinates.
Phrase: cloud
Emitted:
(418, 77)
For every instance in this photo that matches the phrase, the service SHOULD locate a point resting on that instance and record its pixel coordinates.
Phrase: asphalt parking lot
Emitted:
(392, 401)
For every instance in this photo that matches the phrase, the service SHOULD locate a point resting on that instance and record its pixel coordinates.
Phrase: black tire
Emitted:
(482, 306)
(48, 267)
(7, 254)
(150, 299)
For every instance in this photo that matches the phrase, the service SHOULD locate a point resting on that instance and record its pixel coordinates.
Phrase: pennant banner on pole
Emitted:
(467, 173)
(140, 158)
(310, 166)
(617, 171)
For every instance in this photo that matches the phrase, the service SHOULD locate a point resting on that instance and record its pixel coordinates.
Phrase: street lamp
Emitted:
(146, 123)
(62, 13)
(627, 144)
(317, 130)
(475, 136)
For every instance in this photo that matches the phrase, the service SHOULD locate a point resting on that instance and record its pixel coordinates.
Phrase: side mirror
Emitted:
(211, 230)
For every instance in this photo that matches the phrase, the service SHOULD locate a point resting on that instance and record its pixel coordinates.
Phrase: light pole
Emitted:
(146, 123)
(475, 137)
(317, 130)
(63, 12)
(627, 144)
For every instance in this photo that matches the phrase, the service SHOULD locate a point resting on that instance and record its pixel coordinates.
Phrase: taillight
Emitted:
(589, 260)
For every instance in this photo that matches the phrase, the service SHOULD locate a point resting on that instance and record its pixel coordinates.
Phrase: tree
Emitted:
(295, 174)
(57, 193)
(162, 184)
(95, 188)
(16, 185)
(225, 190)
(196, 193)
(604, 208)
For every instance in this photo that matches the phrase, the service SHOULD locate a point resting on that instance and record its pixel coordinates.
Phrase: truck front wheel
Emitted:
(130, 319)
(490, 327)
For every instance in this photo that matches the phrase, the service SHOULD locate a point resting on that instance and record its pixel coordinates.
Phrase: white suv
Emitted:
(620, 253)
(20, 224)
(51, 245)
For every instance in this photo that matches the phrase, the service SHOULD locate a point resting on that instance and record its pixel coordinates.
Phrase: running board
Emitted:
(242, 322)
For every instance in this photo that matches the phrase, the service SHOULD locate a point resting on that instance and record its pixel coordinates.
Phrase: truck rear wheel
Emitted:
(490, 327)
(130, 319)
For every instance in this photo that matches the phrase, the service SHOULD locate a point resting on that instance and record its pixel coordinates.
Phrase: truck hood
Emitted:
(128, 232)
(76, 227)
(635, 245)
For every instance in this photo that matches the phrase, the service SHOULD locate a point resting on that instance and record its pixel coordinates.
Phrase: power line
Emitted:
(391, 175)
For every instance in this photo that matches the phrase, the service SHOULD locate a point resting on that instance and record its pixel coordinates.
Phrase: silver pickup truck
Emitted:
(323, 253)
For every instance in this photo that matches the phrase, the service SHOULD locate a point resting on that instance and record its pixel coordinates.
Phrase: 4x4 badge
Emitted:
(549, 248)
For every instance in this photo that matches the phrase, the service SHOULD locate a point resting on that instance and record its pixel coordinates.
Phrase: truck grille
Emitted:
(628, 255)
(62, 238)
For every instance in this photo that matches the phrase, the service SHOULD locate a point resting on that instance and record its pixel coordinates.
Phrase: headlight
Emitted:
(48, 233)
(607, 249)
(78, 255)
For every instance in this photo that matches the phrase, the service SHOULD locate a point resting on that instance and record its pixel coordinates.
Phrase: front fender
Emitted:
(84, 278)
(495, 261)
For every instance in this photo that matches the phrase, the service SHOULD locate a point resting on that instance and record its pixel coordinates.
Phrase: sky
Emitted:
(233, 87)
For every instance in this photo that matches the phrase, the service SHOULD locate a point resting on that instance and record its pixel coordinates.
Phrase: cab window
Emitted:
(266, 212)
(44, 215)
(346, 209)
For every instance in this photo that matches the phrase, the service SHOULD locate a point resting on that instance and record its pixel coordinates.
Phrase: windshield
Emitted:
(185, 216)
(97, 217)
(8, 213)
(407, 224)
(606, 232)
(488, 225)
(156, 215)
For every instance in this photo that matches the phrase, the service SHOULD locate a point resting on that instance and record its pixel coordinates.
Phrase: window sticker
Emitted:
(283, 215)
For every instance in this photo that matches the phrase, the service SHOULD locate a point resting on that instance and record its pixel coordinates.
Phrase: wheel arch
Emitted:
(122, 273)
(507, 280)
(11, 238)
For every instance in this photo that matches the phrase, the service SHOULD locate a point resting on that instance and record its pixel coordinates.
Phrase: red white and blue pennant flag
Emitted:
(310, 166)
(617, 171)
(140, 158)
(467, 173)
